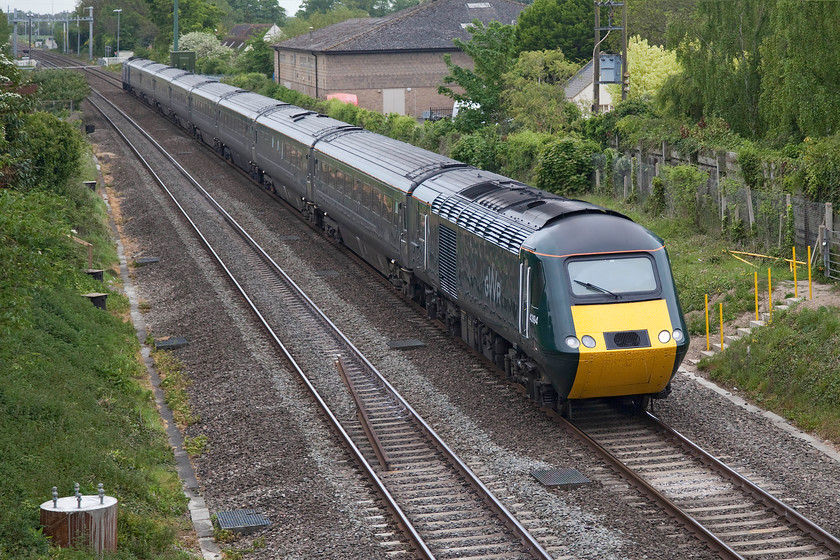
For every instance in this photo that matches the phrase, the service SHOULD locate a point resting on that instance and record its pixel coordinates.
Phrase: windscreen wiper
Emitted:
(595, 288)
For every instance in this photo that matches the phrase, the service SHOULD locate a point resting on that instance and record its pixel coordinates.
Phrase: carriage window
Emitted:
(366, 195)
(387, 206)
(376, 204)
(357, 190)
(612, 276)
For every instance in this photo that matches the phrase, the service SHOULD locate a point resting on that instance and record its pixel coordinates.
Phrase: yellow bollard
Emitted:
(756, 295)
(810, 291)
(770, 296)
(708, 346)
(721, 326)
(795, 284)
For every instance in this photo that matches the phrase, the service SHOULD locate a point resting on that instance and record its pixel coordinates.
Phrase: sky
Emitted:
(58, 6)
(40, 6)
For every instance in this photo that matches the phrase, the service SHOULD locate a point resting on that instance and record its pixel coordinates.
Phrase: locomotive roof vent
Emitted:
(480, 189)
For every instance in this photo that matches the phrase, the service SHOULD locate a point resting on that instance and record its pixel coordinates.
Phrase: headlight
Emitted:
(678, 336)
(588, 341)
(572, 342)
(664, 337)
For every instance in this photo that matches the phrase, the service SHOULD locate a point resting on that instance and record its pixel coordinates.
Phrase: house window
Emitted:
(473, 5)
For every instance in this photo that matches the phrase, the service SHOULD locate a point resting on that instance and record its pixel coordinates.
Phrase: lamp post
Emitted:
(90, 32)
(118, 12)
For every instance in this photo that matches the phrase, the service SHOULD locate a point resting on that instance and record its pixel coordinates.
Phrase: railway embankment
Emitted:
(788, 364)
(75, 406)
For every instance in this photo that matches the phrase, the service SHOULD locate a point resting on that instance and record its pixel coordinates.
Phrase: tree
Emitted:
(258, 11)
(15, 100)
(650, 66)
(60, 85)
(193, 15)
(211, 57)
(299, 25)
(258, 56)
(534, 96)
(492, 51)
(566, 25)
(799, 96)
(650, 19)
(721, 63)
(310, 7)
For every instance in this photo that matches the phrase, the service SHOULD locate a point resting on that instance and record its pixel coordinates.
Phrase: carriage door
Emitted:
(403, 227)
(419, 234)
(524, 297)
(531, 287)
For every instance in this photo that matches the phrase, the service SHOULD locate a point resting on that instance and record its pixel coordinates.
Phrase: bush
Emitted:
(60, 85)
(683, 183)
(54, 148)
(565, 166)
(477, 149)
(518, 154)
(822, 169)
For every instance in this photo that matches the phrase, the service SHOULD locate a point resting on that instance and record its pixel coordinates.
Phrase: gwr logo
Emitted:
(493, 285)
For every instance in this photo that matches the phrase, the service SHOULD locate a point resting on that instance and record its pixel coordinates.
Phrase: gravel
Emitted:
(269, 450)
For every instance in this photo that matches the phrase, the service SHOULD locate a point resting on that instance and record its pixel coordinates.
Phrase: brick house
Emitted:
(393, 64)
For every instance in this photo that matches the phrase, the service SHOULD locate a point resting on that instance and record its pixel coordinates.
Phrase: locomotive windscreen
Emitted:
(612, 276)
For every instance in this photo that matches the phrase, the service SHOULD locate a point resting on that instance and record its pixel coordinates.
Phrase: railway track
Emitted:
(730, 513)
(444, 510)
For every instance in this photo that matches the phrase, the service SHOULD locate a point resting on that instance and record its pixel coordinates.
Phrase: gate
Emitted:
(830, 251)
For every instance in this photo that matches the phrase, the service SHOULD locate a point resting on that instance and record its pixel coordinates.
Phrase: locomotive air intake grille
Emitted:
(626, 339)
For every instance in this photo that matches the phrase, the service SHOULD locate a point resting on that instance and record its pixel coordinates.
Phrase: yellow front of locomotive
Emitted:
(625, 348)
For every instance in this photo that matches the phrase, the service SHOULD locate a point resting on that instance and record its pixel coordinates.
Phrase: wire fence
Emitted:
(767, 220)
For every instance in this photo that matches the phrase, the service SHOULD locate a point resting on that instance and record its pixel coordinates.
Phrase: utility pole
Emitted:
(118, 12)
(175, 31)
(90, 32)
(596, 53)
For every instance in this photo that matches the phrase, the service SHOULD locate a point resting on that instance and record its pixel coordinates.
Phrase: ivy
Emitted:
(566, 167)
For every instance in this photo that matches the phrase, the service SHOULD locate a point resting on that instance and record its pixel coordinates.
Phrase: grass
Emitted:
(74, 406)
(791, 368)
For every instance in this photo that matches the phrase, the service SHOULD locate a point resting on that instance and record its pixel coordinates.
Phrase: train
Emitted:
(569, 299)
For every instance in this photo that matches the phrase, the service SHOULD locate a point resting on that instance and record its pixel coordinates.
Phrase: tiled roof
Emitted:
(241, 33)
(431, 25)
(580, 81)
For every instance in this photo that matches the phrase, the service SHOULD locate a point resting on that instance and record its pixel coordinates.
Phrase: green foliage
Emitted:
(650, 19)
(211, 57)
(519, 153)
(534, 96)
(683, 183)
(254, 81)
(800, 98)
(655, 203)
(258, 11)
(73, 369)
(721, 62)
(302, 22)
(477, 149)
(822, 169)
(491, 49)
(257, 57)
(55, 147)
(564, 25)
(790, 368)
(60, 85)
(650, 66)
(35, 253)
(565, 166)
